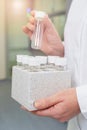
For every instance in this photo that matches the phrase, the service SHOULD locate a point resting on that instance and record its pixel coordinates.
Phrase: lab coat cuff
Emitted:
(63, 42)
(82, 99)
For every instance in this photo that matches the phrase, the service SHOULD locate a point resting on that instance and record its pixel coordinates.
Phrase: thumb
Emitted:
(33, 13)
(48, 102)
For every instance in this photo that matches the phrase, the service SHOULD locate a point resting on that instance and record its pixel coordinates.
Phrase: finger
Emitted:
(27, 31)
(46, 112)
(47, 102)
(32, 13)
(55, 111)
(30, 26)
(31, 19)
(50, 112)
(25, 109)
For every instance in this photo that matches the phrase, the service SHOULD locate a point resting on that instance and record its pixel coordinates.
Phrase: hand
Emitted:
(51, 43)
(61, 106)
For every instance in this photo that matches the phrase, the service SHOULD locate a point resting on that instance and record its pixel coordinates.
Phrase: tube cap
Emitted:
(61, 61)
(19, 58)
(51, 59)
(41, 59)
(25, 59)
(39, 14)
(33, 62)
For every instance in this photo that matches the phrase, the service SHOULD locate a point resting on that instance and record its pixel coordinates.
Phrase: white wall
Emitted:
(2, 41)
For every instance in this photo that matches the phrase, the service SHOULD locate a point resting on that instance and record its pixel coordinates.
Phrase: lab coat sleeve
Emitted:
(82, 90)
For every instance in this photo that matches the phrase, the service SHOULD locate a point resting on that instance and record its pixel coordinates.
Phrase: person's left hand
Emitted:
(61, 106)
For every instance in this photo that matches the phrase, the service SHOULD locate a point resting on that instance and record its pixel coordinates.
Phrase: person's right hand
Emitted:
(51, 42)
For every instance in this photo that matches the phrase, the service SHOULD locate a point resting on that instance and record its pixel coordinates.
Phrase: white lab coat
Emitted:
(76, 53)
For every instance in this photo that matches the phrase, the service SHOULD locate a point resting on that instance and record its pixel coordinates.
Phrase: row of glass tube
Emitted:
(41, 63)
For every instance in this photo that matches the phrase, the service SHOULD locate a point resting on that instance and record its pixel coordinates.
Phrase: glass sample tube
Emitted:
(42, 61)
(25, 61)
(38, 33)
(33, 65)
(60, 64)
(19, 60)
(51, 61)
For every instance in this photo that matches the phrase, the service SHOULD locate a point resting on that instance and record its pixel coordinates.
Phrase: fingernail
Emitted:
(37, 104)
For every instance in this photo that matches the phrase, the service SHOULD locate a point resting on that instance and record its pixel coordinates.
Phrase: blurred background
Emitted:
(12, 42)
(12, 17)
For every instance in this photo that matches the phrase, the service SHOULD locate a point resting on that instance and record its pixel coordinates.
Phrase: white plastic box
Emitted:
(27, 86)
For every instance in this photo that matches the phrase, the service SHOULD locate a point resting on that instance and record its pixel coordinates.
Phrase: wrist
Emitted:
(58, 50)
